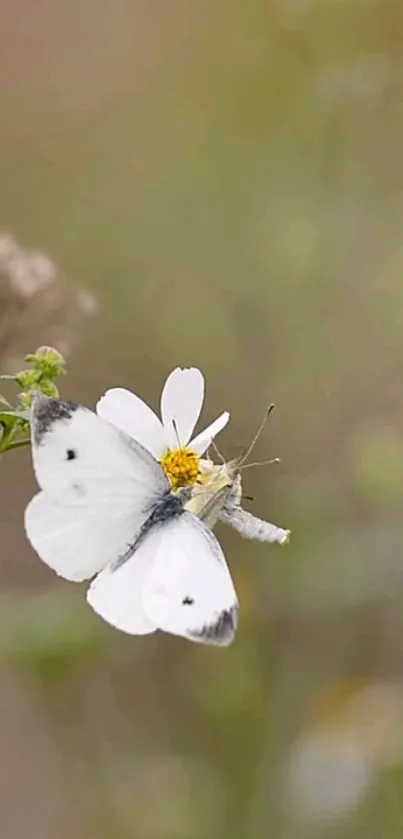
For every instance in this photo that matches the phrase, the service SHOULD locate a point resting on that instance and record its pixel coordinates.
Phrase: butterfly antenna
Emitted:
(217, 451)
(257, 435)
(262, 463)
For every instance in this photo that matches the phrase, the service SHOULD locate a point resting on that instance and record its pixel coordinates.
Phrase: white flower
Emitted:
(168, 438)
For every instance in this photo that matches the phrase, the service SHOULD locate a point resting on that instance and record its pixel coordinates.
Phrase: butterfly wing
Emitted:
(212, 508)
(218, 485)
(98, 487)
(190, 591)
(116, 594)
(183, 580)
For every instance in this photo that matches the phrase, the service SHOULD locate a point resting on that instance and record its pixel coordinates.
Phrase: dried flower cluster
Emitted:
(36, 303)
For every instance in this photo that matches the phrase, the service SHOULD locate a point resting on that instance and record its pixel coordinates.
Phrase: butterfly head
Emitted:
(218, 482)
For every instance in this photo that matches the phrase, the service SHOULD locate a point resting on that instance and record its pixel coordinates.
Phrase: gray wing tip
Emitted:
(222, 631)
(46, 411)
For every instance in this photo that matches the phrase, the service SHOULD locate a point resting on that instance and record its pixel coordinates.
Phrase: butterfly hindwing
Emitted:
(189, 590)
(116, 594)
(186, 588)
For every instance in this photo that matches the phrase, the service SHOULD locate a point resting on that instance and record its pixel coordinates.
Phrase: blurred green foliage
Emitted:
(46, 364)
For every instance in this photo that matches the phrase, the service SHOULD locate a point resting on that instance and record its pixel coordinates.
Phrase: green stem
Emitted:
(16, 444)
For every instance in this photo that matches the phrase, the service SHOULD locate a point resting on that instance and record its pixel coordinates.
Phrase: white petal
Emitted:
(181, 401)
(203, 440)
(128, 412)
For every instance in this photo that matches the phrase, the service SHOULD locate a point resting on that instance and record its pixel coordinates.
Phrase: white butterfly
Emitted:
(106, 510)
(219, 496)
(220, 500)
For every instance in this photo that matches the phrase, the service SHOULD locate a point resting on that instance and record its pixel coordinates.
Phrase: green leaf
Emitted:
(14, 419)
(8, 419)
(20, 413)
(17, 444)
(12, 424)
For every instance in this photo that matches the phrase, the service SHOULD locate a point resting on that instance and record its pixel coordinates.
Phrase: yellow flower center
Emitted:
(181, 466)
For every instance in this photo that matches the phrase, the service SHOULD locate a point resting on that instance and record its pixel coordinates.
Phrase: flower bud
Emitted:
(48, 361)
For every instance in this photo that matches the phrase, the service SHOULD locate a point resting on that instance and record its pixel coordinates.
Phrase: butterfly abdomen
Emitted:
(251, 527)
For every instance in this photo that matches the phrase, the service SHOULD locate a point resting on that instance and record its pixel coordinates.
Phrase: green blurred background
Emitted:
(226, 179)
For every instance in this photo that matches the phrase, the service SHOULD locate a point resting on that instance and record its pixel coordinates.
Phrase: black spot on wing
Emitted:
(220, 632)
(79, 490)
(46, 412)
(71, 454)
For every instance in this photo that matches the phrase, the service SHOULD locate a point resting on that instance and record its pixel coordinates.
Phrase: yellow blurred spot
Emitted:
(332, 702)
(368, 713)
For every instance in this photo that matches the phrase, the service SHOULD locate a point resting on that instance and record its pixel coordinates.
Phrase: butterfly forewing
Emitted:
(98, 487)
